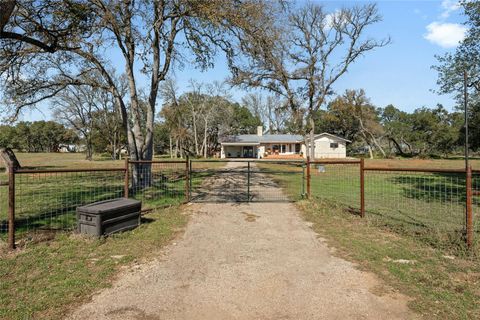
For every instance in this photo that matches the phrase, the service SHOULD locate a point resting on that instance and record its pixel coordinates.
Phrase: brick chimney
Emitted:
(259, 131)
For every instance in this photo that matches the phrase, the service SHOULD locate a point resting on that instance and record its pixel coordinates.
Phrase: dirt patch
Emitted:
(250, 217)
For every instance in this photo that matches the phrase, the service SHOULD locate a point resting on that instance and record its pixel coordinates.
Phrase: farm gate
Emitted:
(246, 180)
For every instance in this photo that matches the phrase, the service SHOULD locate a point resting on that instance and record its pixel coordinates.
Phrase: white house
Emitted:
(329, 146)
(281, 146)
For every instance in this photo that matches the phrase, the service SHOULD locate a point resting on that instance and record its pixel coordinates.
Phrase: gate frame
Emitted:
(304, 177)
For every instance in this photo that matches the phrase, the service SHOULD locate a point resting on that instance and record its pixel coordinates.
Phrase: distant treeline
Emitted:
(388, 131)
(38, 136)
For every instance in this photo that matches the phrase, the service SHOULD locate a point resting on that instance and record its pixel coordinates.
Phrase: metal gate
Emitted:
(246, 180)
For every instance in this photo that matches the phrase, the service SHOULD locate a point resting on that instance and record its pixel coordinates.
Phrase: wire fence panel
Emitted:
(158, 184)
(336, 183)
(476, 207)
(48, 200)
(3, 204)
(429, 206)
(277, 180)
(219, 181)
(246, 181)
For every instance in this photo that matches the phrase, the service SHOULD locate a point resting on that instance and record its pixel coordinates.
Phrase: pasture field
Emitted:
(49, 200)
(430, 207)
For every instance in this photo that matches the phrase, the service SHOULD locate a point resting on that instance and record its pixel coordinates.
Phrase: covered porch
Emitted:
(282, 150)
(244, 150)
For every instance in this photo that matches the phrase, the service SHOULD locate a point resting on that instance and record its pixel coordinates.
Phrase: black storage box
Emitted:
(109, 216)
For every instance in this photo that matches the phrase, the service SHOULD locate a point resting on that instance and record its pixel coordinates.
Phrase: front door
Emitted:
(248, 152)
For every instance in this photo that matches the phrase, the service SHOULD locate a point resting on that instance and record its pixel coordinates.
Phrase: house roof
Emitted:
(253, 139)
(331, 136)
(267, 138)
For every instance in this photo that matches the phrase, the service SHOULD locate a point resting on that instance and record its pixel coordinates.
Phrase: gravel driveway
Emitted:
(246, 261)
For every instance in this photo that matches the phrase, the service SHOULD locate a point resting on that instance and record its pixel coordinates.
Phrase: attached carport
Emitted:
(239, 150)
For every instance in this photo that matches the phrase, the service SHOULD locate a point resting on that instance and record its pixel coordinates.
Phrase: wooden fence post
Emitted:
(187, 179)
(127, 176)
(362, 188)
(11, 207)
(308, 177)
(469, 214)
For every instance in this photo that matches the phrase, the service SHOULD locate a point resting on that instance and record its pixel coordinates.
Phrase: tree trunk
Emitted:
(171, 145)
(312, 136)
(176, 148)
(397, 146)
(370, 151)
(195, 136)
(205, 139)
(375, 142)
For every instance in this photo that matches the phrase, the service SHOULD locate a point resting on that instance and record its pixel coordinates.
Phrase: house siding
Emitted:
(323, 149)
(283, 145)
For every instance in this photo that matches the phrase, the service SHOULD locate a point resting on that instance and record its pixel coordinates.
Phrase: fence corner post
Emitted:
(126, 179)
(187, 179)
(308, 177)
(469, 213)
(362, 187)
(11, 207)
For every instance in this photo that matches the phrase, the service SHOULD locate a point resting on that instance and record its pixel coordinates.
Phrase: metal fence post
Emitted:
(187, 179)
(308, 177)
(126, 179)
(11, 207)
(248, 182)
(362, 188)
(469, 214)
(303, 179)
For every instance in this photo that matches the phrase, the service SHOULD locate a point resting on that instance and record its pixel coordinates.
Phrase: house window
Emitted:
(298, 148)
(334, 145)
(284, 148)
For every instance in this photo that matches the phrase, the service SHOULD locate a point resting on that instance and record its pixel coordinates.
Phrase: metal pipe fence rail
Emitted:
(33, 201)
(248, 180)
(437, 206)
(46, 200)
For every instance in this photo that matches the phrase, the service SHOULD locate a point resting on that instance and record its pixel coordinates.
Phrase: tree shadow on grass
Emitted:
(437, 187)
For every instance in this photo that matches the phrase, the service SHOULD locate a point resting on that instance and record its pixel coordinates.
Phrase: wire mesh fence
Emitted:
(3, 203)
(158, 183)
(427, 205)
(476, 207)
(278, 181)
(218, 181)
(47, 200)
(246, 181)
(336, 182)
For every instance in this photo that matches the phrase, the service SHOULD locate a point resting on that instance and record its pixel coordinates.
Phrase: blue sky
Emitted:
(399, 74)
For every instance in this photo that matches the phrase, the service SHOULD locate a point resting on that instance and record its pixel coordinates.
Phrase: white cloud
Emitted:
(329, 18)
(446, 35)
(448, 7)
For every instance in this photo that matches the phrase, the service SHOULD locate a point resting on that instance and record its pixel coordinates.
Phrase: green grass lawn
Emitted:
(49, 200)
(428, 207)
(441, 286)
(47, 279)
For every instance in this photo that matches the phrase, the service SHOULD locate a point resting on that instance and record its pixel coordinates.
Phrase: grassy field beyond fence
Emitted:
(430, 207)
(427, 206)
